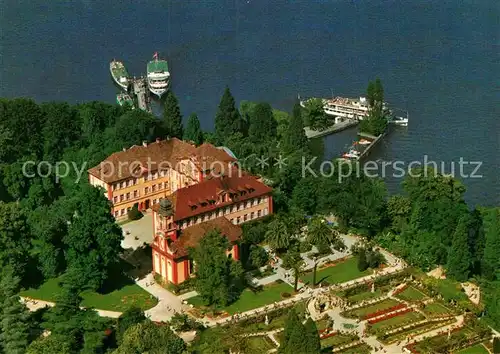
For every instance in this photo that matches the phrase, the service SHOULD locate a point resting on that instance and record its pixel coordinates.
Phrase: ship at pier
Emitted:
(119, 74)
(158, 76)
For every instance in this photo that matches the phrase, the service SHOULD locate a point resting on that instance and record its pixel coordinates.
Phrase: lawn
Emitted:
(476, 349)
(366, 310)
(117, 300)
(411, 294)
(360, 349)
(364, 296)
(336, 340)
(338, 273)
(435, 309)
(259, 344)
(250, 300)
(397, 321)
(426, 327)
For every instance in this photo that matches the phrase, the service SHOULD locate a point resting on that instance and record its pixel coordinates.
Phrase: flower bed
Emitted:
(391, 315)
(382, 312)
(328, 335)
(400, 290)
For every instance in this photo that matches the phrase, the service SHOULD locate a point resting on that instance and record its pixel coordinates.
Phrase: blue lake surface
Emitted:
(440, 60)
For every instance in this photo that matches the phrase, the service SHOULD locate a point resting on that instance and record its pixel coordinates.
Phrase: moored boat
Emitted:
(119, 73)
(124, 99)
(158, 76)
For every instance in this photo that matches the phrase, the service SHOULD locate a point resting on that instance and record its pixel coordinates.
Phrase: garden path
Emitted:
(34, 305)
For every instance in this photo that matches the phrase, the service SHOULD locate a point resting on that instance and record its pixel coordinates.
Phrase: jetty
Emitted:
(140, 88)
(337, 127)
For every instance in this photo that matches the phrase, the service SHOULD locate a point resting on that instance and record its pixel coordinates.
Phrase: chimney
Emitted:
(157, 140)
(145, 143)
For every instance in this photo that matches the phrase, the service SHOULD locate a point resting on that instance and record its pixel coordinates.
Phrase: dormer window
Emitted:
(193, 207)
(203, 204)
(251, 190)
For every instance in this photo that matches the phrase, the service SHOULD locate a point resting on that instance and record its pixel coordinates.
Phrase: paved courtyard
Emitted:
(138, 232)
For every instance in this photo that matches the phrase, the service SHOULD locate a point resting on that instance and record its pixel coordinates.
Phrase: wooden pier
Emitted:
(140, 87)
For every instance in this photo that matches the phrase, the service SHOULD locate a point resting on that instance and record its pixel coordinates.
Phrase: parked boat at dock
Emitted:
(119, 73)
(124, 99)
(158, 76)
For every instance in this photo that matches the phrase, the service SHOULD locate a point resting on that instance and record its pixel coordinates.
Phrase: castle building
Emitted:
(142, 174)
(181, 219)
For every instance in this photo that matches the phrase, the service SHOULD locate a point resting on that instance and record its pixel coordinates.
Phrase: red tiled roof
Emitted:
(191, 236)
(162, 153)
(209, 189)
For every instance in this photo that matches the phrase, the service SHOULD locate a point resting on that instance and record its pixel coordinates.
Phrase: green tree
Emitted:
(262, 125)
(294, 136)
(315, 116)
(93, 239)
(459, 257)
(219, 279)
(312, 341)
(321, 234)
(398, 210)
(130, 317)
(227, 119)
(172, 118)
(491, 259)
(277, 234)
(146, 337)
(293, 335)
(14, 323)
(362, 262)
(193, 130)
(49, 345)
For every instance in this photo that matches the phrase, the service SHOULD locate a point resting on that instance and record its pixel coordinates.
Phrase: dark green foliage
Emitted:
(148, 337)
(49, 345)
(311, 339)
(362, 262)
(193, 130)
(491, 258)
(258, 256)
(172, 118)
(277, 234)
(182, 323)
(459, 257)
(14, 316)
(294, 136)
(134, 213)
(93, 239)
(322, 235)
(262, 125)
(127, 319)
(376, 122)
(254, 232)
(315, 116)
(219, 279)
(496, 345)
(227, 119)
(305, 194)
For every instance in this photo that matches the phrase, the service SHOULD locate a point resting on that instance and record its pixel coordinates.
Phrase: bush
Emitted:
(183, 323)
(258, 256)
(134, 213)
(279, 281)
(285, 295)
(304, 247)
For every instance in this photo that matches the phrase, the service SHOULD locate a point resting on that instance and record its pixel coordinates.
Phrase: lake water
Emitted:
(439, 60)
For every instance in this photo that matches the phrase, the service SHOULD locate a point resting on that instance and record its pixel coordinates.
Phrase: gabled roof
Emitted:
(191, 236)
(158, 155)
(184, 199)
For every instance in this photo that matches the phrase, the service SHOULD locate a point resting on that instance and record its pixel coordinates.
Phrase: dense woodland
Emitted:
(53, 227)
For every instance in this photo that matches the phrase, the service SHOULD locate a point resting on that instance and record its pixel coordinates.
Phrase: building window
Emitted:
(245, 217)
(113, 186)
(116, 213)
(238, 220)
(136, 194)
(115, 199)
(252, 215)
(121, 197)
(146, 190)
(265, 211)
(124, 184)
(259, 200)
(232, 220)
(130, 182)
(202, 218)
(128, 196)
(122, 212)
(169, 225)
(153, 187)
(258, 213)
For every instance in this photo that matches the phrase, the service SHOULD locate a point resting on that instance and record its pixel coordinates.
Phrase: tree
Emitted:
(262, 125)
(219, 279)
(295, 136)
(362, 262)
(321, 234)
(49, 345)
(277, 234)
(305, 194)
(172, 118)
(491, 259)
(148, 337)
(227, 119)
(459, 257)
(193, 130)
(127, 319)
(312, 341)
(315, 116)
(14, 323)
(14, 238)
(93, 239)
